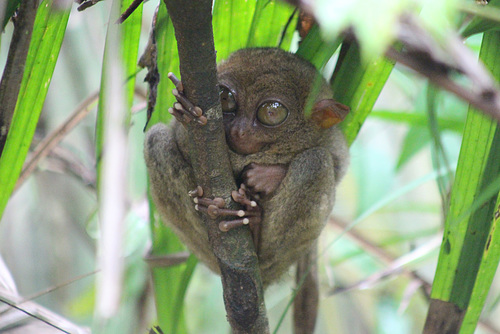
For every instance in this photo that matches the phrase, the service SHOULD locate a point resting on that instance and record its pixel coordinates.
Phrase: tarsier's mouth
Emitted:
(243, 150)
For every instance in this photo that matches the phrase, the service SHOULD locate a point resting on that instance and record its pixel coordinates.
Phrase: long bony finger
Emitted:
(177, 83)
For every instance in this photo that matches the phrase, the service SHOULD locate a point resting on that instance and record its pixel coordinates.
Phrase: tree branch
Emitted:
(234, 250)
(14, 68)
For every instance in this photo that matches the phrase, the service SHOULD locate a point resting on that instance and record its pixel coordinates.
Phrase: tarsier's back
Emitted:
(287, 163)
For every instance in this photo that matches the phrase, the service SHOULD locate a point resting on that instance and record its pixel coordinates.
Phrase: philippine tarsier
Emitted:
(287, 165)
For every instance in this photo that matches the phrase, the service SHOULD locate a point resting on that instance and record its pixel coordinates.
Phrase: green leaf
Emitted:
(9, 11)
(485, 275)
(416, 139)
(478, 136)
(239, 24)
(486, 18)
(358, 86)
(269, 21)
(490, 247)
(231, 24)
(131, 33)
(417, 119)
(468, 233)
(439, 154)
(168, 61)
(186, 272)
(48, 33)
(315, 50)
(170, 283)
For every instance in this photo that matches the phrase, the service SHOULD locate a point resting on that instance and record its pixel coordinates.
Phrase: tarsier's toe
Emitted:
(215, 208)
(243, 199)
(198, 192)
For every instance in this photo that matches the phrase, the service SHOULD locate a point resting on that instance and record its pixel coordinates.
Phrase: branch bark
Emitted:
(14, 68)
(234, 250)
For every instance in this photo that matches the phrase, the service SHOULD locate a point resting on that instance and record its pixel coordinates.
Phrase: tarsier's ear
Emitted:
(328, 112)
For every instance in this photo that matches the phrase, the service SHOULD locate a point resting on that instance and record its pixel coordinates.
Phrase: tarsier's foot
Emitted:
(214, 208)
(183, 110)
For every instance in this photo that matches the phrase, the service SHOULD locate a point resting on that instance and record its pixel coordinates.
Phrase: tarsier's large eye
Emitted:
(272, 113)
(227, 100)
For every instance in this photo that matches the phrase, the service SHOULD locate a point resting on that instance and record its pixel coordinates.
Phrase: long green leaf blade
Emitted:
(168, 61)
(491, 242)
(269, 21)
(358, 86)
(239, 24)
(418, 120)
(469, 217)
(487, 18)
(49, 28)
(478, 135)
(10, 8)
(315, 50)
(131, 33)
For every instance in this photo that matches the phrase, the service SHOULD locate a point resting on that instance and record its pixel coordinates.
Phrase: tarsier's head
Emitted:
(263, 94)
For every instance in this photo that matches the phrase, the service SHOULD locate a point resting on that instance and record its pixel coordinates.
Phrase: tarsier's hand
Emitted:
(183, 110)
(263, 180)
(252, 215)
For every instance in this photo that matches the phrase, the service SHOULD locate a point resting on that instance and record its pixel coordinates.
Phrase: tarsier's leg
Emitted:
(305, 305)
(251, 215)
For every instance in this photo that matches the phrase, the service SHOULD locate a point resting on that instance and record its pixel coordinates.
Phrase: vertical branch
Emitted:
(14, 68)
(234, 250)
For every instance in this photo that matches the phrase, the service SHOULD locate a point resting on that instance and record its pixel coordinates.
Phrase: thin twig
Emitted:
(378, 252)
(40, 313)
(56, 287)
(488, 102)
(86, 4)
(416, 39)
(48, 144)
(51, 141)
(62, 160)
(396, 266)
(133, 6)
